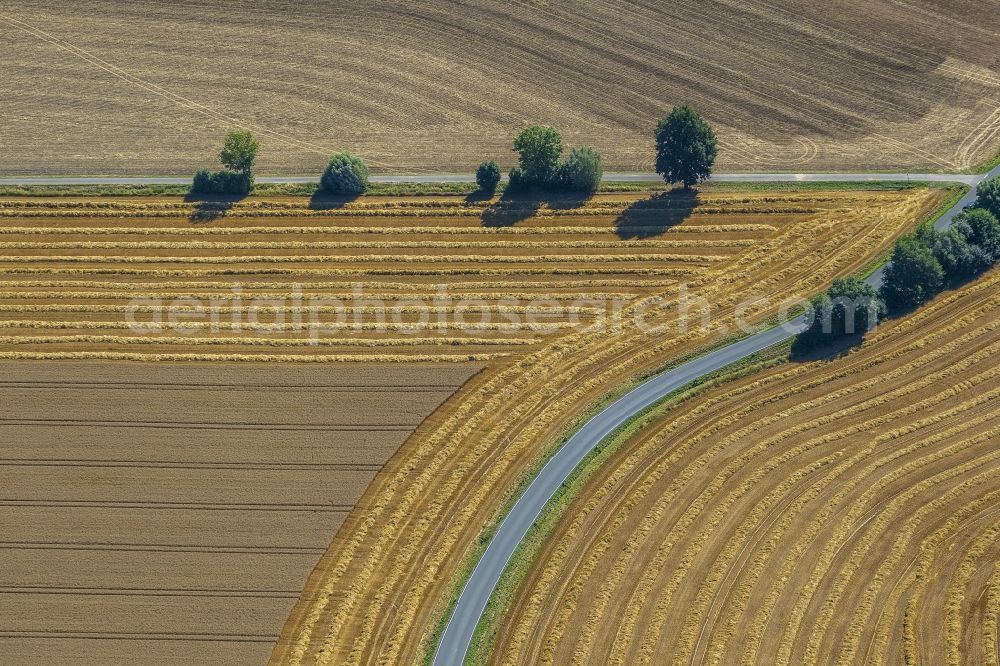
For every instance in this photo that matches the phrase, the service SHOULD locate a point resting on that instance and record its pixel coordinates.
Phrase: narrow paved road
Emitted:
(469, 610)
(470, 178)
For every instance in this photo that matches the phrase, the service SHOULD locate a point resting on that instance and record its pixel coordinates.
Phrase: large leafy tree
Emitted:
(685, 147)
(345, 174)
(538, 148)
(913, 276)
(958, 258)
(988, 195)
(981, 228)
(239, 152)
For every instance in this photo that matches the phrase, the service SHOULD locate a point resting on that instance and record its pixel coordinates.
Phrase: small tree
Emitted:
(685, 147)
(488, 177)
(538, 148)
(345, 174)
(988, 195)
(239, 152)
(581, 172)
(913, 276)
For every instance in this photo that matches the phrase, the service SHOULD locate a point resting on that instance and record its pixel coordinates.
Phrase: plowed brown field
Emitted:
(379, 591)
(841, 511)
(170, 514)
(146, 87)
(424, 278)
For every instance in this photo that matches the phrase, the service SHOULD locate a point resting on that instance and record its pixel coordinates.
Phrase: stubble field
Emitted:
(841, 512)
(439, 86)
(71, 267)
(171, 513)
(379, 278)
(380, 590)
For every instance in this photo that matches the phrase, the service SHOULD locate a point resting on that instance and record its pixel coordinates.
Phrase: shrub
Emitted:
(988, 195)
(538, 148)
(220, 182)
(849, 307)
(581, 172)
(345, 174)
(488, 176)
(516, 181)
(685, 147)
(913, 276)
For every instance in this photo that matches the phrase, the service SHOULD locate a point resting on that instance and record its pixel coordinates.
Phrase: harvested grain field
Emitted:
(439, 86)
(384, 584)
(379, 278)
(840, 511)
(170, 514)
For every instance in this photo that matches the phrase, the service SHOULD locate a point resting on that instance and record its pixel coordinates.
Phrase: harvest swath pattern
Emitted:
(384, 583)
(77, 274)
(829, 512)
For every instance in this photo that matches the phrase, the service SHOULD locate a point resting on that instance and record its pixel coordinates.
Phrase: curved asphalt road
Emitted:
(458, 632)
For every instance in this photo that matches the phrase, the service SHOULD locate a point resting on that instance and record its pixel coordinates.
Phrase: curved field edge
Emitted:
(530, 547)
(958, 373)
(533, 537)
(158, 245)
(366, 603)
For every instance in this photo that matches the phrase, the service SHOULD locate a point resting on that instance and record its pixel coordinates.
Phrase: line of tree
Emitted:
(539, 149)
(928, 261)
(685, 153)
(922, 265)
(686, 148)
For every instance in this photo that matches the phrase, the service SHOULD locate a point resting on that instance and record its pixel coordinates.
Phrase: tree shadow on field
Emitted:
(514, 207)
(652, 216)
(478, 197)
(320, 201)
(836, 349)
(209, 208)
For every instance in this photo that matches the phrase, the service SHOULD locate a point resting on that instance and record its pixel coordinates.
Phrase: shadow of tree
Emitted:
(514, 207)
(653, 216)
(478, 197)
(837, 348)
(209, 208)
(320, 201)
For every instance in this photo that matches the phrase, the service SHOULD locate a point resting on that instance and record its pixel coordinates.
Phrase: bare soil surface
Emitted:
(170, 514)
(149, 88)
